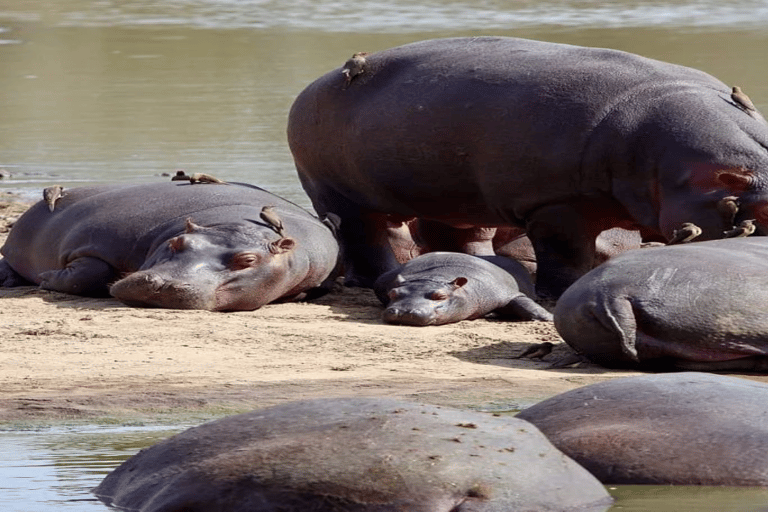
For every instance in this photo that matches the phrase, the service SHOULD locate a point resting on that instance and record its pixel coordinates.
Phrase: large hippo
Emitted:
(171, 245)
(356, 455)
(695, 306)
(444, 287)
(668, 429)
(561, 140)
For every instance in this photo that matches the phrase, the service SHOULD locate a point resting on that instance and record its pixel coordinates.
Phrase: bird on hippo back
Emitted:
(563, 141)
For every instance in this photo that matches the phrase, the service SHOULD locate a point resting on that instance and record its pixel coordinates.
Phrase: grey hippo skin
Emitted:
(696, 306)
(354, 455)
(444, 287)
(139, 238)
(668, 429)
(561, 140)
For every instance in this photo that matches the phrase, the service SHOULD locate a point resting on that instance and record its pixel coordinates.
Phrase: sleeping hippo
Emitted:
(444, 287)
(563, 141)
(695, 306)
(669, 429)
(171, 245)
(356, 455)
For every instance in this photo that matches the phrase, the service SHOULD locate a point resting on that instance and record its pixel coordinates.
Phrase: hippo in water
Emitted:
(171, 245)
(563, 141)
(357, 455)
(444, 287)
(695, 306)
(668, 429)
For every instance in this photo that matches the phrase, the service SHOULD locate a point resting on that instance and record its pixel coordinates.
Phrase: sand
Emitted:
(77, 359)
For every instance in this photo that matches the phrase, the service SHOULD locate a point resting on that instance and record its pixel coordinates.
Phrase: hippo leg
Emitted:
(564, 237)
(9, 278)
(82, 276)
(525, 308)
(436, 236)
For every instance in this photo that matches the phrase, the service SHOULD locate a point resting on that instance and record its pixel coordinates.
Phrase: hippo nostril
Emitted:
(409, 316)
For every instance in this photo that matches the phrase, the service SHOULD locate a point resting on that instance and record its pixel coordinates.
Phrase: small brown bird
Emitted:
(687, 232)
(728, 207)
(199, 177)
(52, 194)
(536, 351)
(742, 100)
(180, 176)
(745, 228)
(353, 67)
(270, 216)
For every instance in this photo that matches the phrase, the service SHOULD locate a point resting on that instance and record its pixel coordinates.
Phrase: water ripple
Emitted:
(402, 16)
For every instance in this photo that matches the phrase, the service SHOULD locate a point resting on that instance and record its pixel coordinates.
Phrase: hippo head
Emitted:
(717, 200)
(225, 267)
(427, 302)
(714, 167)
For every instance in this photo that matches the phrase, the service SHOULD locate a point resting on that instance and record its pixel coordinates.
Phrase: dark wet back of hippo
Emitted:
(680, 429)
(355, 454)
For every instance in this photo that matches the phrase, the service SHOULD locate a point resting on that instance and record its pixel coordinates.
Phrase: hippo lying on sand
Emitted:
(444, 287)
(171, 245)
(668, 429)
(561, 140)
(695, 306)
(357, 455)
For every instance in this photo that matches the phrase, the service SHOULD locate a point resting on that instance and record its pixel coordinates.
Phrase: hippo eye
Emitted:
(243, 260)
(437, 295)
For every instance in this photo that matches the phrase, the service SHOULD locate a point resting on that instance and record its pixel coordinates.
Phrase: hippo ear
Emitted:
(459, 282)
(285, 244)
(191, 226)
(736, 180)
(399, 280)
(707, 177)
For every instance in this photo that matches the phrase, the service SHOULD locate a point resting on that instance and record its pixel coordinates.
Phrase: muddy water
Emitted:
(53, 469)
(118, 90)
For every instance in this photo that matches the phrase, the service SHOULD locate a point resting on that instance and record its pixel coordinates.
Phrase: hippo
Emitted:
(684, 428)
(695, 306)
(171, 245)
(357, 455)
(445, 287)
(563, 141)
(514, 243)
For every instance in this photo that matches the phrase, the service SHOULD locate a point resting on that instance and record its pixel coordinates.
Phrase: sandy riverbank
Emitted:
(73, 358)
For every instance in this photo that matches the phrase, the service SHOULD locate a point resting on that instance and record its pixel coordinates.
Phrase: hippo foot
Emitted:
(570, 361)
(536, 351)
(9, 278)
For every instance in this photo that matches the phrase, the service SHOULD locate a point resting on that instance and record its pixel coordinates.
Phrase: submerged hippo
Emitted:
(561, 140)
(696, 306)
(670, 429)
(444, 287)
(171, 245)
(357, 455)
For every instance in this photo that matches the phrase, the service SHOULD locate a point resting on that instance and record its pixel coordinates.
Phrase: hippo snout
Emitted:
(418, 316)
(147, 289)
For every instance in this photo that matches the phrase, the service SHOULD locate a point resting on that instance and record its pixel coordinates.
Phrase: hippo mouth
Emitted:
(418, 317)
(142, 289)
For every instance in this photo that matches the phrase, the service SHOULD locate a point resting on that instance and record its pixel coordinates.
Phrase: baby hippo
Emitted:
(444, 287)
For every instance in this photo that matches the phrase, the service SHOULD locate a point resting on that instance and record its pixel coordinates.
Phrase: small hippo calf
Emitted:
(697, 306)
(444, 287)
(669, 429)
(139, 243)
(356, 455)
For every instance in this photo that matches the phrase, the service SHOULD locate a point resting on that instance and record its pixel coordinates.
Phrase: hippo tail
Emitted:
(596, 325)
